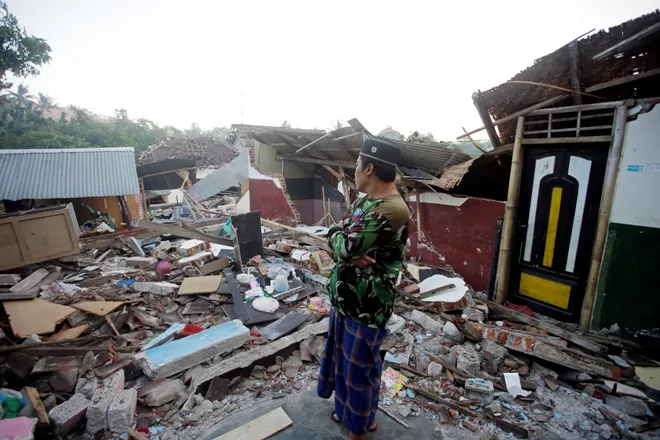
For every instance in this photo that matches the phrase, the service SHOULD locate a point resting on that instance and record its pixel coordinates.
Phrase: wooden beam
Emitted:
(627, 42)
(335, 163)
(160, 173)
(517, 114)
(626, 80)
(473, 142)
(306, 236)
(569, 140)
(332, 171)
(314, 142)
(574, 68)
(575, 108)
(477, 98)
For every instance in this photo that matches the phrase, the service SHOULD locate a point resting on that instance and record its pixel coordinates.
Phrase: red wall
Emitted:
(459, 236)
(271, 202)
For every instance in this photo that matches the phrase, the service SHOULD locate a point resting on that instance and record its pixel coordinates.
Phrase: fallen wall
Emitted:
(458, 232)
(268, 195)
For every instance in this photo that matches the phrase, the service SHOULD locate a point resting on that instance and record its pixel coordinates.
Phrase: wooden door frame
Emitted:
(615, 143)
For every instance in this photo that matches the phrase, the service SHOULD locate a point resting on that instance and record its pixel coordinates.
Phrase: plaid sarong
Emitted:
(352, 367)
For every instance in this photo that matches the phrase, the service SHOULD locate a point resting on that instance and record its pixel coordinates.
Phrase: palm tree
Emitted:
(45, 103)
(22, 96)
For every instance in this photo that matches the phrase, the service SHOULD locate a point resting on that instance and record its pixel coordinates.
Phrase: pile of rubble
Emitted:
(164, 337)
(147, 336)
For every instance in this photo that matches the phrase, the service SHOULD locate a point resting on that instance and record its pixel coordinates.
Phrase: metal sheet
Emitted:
(67, 173)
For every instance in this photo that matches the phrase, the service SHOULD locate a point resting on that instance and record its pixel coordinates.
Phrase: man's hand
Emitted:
(363, 261)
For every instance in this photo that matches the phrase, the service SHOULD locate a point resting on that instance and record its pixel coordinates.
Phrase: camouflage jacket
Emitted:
(379, 229)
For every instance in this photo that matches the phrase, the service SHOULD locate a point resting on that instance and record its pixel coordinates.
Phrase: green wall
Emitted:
(628, 291)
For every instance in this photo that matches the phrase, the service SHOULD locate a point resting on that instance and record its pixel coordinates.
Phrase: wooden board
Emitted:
(71, 333)
(261, 427)
(37, 235)
(200, 285)
(214, 266)
(100, 308)
(35, 316)
(37, 405)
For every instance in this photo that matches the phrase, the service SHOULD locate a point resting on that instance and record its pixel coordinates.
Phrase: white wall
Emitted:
(637, 194)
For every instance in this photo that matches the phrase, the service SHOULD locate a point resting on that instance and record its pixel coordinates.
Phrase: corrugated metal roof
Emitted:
(67, 173)
(414, 173)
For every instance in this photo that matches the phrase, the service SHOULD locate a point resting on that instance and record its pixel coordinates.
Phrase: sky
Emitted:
(412, 65)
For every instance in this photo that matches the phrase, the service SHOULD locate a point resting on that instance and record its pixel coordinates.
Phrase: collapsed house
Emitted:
(99, 185)
(209, 319)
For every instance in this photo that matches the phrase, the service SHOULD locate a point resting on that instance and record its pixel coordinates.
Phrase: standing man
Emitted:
(369, 248)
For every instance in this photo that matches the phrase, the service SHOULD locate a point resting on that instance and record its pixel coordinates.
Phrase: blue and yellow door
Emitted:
(556, 224)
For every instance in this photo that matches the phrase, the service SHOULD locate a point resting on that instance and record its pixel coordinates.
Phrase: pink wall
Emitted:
(311, 210)
(460, 236)
(271, 202)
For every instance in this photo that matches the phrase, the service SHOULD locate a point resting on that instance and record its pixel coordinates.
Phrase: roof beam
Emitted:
(335, 163)
(627, 42)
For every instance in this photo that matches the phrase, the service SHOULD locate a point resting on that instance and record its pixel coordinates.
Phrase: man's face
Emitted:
(362, 175)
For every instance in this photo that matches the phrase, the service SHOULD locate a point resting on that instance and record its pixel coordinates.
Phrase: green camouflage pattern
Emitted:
(366, 295)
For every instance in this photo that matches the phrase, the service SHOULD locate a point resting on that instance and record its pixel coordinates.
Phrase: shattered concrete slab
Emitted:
(176, 356)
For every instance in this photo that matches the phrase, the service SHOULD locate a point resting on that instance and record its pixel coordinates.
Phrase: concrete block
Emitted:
(9, 279)
(160, 288)
(161, 392)
(434, 369)
(479, 389)
(473, 314)
(468, 360)
(628, 405)
(141, 262)
(395, 324)
(426, 322)
(18, 428)
(452, 332)
(122, 410)
(182, 354)
(67, 415)
(64, 379)
(97, 412)
(87, 387)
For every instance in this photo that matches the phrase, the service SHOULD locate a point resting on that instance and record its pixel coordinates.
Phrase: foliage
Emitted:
(418, 138)
(285, 124)
(21, 54)
(24, 124)
(389, 133)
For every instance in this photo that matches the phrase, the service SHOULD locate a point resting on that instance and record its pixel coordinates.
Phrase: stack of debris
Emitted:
(152, 334)
(164, 337)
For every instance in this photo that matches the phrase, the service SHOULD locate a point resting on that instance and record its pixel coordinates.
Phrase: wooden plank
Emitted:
(568, 140)
(70, 334)
(261, 427)
(35, 316)
(575, 108)
(485, 118)
(626, 80)
(13, 296)
(523, 112)
(552, 329)
(393, 417)
(98, 308)
(214, 266)
(574, 67)
(620, 46)
(200, 285)
(299, 234)
(37, 405)
(439, 399)
(99, 281)
(185, 231)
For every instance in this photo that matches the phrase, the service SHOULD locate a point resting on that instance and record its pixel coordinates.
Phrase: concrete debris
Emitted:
(122, 410)
(452, 347)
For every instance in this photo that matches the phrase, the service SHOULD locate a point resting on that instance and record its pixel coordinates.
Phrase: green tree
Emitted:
(390, 133)
(45, 103)
(420, 138)
(285, 124)
(22, 97)
(21, 54)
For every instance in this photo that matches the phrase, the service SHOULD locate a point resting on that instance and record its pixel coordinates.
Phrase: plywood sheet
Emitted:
(100, 308)
(71, 333)
(200, 285)
(261, 427)
(35, 316)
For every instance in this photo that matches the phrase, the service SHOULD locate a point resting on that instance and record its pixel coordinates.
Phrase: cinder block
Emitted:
(122, 410)
(479, 389)
(97, 412)
(67, 415)
(141, 262)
